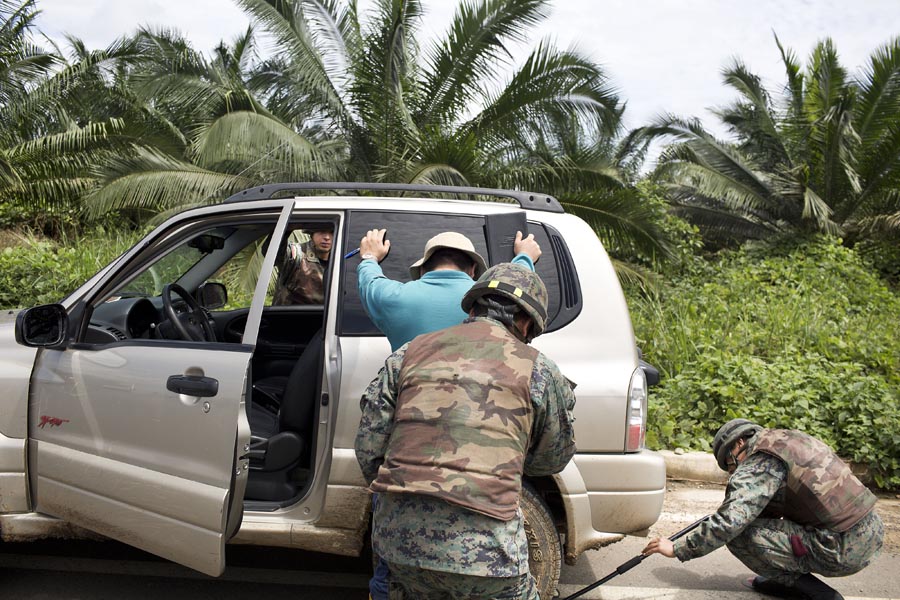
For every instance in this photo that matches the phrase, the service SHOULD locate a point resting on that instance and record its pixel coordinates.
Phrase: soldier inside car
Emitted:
(792, 508)
(449, 426)
(301, 273)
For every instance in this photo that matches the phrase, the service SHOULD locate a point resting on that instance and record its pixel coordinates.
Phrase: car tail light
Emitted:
(637, 411)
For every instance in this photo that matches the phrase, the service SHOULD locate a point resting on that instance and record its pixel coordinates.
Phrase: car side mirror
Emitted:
(212, 295)
(42, 326)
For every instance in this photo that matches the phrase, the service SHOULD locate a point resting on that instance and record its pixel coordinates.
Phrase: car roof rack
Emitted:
(529, 200)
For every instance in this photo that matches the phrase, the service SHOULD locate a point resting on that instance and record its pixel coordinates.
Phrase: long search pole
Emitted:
(633, 562)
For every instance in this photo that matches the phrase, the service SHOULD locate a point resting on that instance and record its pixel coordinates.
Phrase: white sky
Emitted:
(661, 55)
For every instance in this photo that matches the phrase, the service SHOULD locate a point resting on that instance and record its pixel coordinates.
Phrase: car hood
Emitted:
(16, 363)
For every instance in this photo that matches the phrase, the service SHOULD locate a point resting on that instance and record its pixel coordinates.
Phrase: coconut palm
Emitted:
(821, 156)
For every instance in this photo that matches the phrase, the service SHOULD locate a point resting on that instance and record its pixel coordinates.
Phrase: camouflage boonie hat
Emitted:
(728, 434)
(517, 283)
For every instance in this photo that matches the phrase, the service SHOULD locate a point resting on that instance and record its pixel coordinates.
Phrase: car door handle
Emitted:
(193, 385)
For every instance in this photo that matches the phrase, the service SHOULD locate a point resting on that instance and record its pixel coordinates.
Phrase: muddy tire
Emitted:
(545, 551)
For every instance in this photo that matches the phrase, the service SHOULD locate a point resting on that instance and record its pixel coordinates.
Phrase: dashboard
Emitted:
(123, 318)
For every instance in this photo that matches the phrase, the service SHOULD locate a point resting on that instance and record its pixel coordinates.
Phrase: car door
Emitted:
(119, 441)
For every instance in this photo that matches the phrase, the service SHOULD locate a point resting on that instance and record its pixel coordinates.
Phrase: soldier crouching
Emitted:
(792, 508)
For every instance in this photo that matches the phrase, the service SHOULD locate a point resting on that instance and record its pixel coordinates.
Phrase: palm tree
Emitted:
(45, 151)
(198, 132)
(442, 112)
(820, 157)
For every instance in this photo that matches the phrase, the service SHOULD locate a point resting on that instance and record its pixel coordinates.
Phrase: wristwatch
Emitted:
(367, 256)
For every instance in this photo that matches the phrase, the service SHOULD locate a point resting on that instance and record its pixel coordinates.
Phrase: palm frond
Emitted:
(624, 223)
(149, 181)
(795, 82)
(260, 144)
(879, 92)
(285, 22)
(550, 84)
(460, 64)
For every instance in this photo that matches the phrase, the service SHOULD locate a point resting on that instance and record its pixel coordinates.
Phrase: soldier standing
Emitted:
(428, 302)
(792, 508)
(448, 428)
(302, 273)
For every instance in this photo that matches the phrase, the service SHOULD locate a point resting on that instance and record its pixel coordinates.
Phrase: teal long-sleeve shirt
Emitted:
(403, 311)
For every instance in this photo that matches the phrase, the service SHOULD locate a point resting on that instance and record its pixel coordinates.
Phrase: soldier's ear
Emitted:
(523, 323)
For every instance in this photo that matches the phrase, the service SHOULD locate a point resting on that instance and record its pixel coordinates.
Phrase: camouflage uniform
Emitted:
(301, 277)
(751, 520)
(437, 523)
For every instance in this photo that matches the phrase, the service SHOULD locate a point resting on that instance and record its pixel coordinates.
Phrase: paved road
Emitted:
(716, 576)
(88, 570)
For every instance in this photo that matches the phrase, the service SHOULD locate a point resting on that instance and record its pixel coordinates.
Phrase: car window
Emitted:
(167, 269)
(227, 255)
(408, 233)
(557, 270)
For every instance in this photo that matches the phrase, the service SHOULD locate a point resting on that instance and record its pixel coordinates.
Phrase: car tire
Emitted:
(544, 548)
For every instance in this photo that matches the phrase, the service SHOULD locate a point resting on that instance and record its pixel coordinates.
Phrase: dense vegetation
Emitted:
(800, 337)
(761, 270)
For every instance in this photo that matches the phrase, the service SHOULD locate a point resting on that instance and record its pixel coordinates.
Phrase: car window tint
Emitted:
(408, 233)
(557, 270)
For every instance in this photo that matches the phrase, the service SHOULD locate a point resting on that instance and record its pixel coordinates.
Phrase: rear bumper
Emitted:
(626, 491)
(609, 495)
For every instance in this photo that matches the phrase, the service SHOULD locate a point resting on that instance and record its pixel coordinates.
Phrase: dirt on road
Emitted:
(687, 501)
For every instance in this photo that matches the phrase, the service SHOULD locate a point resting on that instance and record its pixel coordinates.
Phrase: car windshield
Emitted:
(173, 265)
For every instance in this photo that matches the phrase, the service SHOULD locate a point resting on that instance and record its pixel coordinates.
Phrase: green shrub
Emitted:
(857, 414)
(806, 340)
(40, 271)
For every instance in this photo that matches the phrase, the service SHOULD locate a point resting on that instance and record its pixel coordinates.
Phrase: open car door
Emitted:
(145, 440)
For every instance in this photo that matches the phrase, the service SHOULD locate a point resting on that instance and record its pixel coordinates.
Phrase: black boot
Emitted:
(766, 586)
(814, 588)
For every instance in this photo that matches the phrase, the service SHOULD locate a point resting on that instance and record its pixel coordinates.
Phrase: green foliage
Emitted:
(818, 157)
(803, 339)
(39, 271)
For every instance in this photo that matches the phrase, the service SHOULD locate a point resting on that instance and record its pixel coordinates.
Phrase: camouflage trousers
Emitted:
(413, 583)
(765, 548)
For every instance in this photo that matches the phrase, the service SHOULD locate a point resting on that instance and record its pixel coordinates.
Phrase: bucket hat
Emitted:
(448, 239)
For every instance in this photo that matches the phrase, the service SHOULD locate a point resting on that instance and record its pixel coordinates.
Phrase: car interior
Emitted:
(201, 291)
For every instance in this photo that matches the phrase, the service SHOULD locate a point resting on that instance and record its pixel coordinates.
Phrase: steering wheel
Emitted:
(193, 325)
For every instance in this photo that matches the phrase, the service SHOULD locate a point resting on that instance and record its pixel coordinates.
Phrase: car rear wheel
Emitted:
(544, 548)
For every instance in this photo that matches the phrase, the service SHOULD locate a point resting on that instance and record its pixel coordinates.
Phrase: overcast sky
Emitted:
(661, 55)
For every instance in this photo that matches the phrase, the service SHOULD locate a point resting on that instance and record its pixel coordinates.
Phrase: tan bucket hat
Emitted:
(448, 239)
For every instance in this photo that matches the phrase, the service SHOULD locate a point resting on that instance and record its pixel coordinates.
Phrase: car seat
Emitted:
(281, 426)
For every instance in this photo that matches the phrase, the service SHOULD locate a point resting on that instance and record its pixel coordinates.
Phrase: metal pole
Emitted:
(633, 562)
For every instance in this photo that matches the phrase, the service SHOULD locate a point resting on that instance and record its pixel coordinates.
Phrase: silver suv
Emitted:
(168, 404)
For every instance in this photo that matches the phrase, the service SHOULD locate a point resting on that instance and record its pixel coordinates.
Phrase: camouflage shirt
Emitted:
(301, 277)
(756, 482)
(426, 532)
